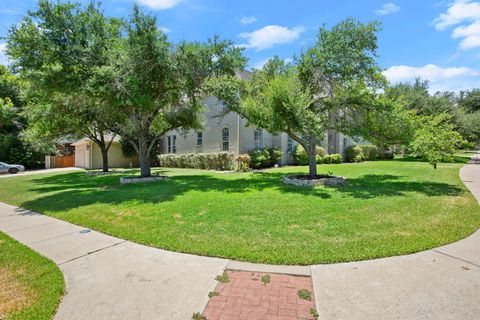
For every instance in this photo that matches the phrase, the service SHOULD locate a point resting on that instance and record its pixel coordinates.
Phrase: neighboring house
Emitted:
(230, 133)
(89, 156)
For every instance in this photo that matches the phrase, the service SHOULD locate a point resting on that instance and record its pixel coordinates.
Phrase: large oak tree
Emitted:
(154, 86)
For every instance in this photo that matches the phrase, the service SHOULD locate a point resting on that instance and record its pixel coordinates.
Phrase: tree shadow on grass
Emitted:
(386, 185)
(72, 190)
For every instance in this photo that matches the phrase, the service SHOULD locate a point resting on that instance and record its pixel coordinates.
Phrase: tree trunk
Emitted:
(104, 151)
(312, 157)
(144, 157)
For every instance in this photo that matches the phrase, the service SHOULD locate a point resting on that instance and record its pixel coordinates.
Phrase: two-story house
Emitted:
(229, 132)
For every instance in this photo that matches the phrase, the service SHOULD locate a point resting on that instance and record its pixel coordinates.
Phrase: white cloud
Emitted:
(270, 36)
(165, 29)
(248, 20)
(160, 4)
(387, 8)
(441, 78)
(465, 13)
(3, 58)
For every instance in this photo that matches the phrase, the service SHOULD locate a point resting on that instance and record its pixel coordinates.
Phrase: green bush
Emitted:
(210, 161)
(466, 145)
(371, 152)
(319, 159)
(336, 158)
(300, 156)
(264, 158)
(327, 159)
(354, 154)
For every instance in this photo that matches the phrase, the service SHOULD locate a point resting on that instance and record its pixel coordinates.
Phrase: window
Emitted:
(174, 144)
(169, 144)
(258, 139)
(344, 142)
(290, 145)
(225, 139)
(199, 138)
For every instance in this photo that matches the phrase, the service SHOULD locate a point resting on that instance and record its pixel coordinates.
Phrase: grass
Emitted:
(30, 285)
(386, 208)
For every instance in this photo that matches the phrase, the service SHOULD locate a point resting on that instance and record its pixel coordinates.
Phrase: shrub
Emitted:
(275, 155)
(465, 145)
(319, 159)
(354, 154)
(210, 161)
(327, 159)
(370, 152)
(387, 155)
(243, 162)
(336, 158)
(300, 156)
(265, 158)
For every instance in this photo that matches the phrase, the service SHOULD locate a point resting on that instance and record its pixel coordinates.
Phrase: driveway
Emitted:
(110, 278)
(41, 171)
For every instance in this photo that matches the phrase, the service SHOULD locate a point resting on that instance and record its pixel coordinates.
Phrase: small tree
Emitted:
(154, 86)
(332, 80)
(435, 139)
(57, 48)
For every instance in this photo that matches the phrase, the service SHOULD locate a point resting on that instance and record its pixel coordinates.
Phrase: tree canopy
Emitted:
(334, 79)
(154, 86)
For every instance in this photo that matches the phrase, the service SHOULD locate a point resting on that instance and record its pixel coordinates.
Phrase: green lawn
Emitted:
(387, 208)
(30, 285)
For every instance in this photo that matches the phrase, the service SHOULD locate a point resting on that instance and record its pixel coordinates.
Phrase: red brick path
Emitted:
(246, 297)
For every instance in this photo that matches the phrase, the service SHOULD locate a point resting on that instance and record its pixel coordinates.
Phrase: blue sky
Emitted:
(436, 40)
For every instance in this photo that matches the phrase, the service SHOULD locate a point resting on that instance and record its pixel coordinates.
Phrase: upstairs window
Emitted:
(290, 145)
(199, 138)
(225, 139)
(174, 144)
(258, 139)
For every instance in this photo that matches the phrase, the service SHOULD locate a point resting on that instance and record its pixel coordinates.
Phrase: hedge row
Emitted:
(300, 156)
(211, 161)
(366, 153)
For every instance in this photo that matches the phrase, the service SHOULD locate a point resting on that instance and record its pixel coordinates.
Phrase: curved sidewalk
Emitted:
(110, 278)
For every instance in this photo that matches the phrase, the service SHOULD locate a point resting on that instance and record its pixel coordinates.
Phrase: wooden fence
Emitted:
(59, 161)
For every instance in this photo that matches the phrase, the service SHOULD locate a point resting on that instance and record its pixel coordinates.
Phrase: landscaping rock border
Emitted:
(127, 180)
(304, 181)
(101, 173)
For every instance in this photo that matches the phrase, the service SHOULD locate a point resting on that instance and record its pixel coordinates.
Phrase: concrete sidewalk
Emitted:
(110, 278)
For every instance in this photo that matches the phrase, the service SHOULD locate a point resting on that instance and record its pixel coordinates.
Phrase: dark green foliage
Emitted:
(354, 154)
(370, 152)
(213, 294)
(13, 149)
(265, 158)
(300, 156)
(210, 161)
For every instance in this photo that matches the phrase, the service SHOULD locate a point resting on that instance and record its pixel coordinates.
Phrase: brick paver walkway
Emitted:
(246, 296)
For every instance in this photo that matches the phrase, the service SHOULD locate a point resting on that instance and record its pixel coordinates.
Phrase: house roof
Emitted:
(108, 137)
